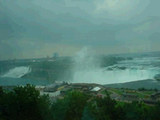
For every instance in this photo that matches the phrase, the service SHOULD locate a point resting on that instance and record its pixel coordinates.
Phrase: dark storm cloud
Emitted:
(35, 28)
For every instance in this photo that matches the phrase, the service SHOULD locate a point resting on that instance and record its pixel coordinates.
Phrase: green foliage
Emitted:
(87, 114)
(59, 109)
(24, 103)
(71, 107)
(77, 101)
(137, 111)
(155, 112)
(105, 109)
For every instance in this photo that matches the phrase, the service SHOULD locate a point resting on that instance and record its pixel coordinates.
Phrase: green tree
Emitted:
(106, 109)
(24, 103)
(137, 111)
(71, 107)
(156, 112)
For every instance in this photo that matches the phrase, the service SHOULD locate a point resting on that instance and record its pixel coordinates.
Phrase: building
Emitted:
(129, 97)
(156, 96)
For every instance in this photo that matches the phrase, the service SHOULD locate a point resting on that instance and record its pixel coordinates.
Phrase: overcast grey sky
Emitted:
(37, 28)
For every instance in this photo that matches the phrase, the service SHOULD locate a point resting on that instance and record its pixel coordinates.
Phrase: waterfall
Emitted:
(87, 70)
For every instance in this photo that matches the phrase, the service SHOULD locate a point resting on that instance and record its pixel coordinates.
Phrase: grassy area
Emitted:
(148, 92)
(118, 91)
(139, 94)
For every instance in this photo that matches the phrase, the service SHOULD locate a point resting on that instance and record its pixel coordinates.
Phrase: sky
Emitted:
(38, 28)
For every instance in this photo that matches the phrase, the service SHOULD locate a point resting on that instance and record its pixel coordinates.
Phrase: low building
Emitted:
(129, 97)
(150, 101)
(96, 89)
(156, 96)
(115, 96)
(54, 87)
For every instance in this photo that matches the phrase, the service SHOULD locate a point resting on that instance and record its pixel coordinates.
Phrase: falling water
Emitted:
(87, 70)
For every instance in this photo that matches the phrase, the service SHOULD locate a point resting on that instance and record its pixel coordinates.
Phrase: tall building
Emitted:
(55, 55)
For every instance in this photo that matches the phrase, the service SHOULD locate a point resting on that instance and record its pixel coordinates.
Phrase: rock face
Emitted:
(157, 77)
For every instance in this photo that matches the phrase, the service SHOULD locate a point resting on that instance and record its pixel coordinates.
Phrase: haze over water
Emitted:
(87, 70)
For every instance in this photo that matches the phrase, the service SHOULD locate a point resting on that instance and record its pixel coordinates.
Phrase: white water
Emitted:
(17, 72)
(86, 70)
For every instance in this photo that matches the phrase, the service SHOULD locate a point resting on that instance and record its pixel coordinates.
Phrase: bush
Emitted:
(71, 107)
(24, 103)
